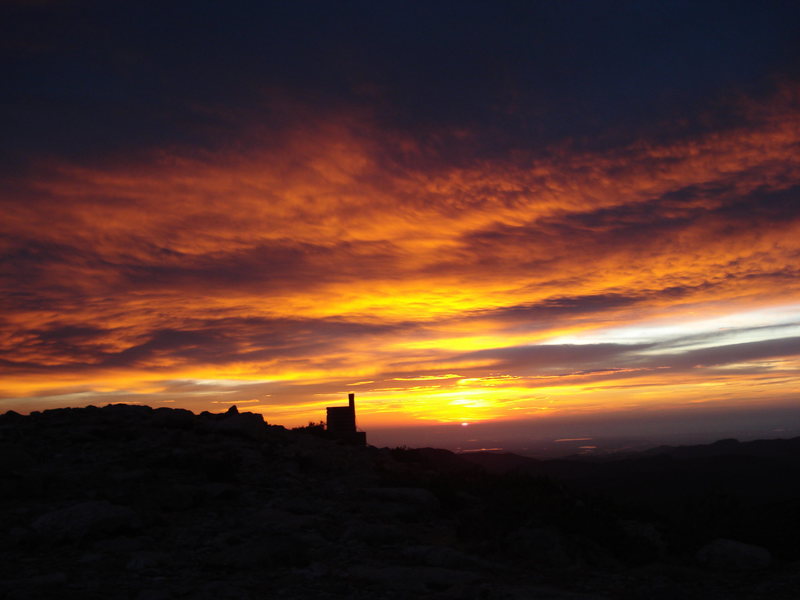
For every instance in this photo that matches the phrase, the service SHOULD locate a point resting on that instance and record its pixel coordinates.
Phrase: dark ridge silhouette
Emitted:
(731, 447)
(133, 502)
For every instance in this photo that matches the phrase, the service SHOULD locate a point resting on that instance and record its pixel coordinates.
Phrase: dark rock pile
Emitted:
(133, 503)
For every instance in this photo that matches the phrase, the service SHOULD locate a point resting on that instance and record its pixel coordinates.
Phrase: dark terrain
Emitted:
(133, 503)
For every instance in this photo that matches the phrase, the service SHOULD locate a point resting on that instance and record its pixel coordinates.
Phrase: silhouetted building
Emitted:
(341, 423)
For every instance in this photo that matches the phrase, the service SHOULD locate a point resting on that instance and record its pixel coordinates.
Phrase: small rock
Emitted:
(154, 595)
(33, 588)
(412, 579)
(146, 560)
(177, 497)
(419, 497)
(441, 556)
(218, 491)
(280, 520)
(259, 554)
(18, 535)
(221, 590)
(118, 545)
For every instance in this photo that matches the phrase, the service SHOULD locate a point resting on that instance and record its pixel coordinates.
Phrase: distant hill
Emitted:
(745, 489)
(758, 470)
(776, 448)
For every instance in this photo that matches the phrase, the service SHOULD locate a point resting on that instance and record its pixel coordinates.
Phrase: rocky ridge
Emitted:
(137, 503)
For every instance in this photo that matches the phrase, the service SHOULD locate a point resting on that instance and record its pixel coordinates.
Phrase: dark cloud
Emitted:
(617, 359)
(275, 265)
(717, 206)
(208, 342)
(718, 336)
(35, 270)
(732, 353)
(85, 78)
(548, 358)
(560, 307)
(69, 334)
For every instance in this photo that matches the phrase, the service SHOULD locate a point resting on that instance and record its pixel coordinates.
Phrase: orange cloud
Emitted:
(331, 260)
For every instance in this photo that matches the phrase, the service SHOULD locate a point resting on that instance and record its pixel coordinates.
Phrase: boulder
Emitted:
(249, 425)
(14, 459)
(10, 416)
(732, 555)
(174, 418)
(376, 533)
(95, 518)
(49, 585)
(544, 546)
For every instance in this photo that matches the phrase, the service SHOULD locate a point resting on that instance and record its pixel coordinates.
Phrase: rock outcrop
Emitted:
(128, 502)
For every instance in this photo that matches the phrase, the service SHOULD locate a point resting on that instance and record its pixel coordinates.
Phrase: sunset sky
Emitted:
(464, 212)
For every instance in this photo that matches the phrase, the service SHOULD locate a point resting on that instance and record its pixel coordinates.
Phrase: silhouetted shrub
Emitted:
(317, 429)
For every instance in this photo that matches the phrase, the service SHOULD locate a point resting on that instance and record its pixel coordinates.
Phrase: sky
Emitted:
(466, 213)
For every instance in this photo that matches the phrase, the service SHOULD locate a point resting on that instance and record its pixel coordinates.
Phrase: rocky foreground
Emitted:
(133, 503)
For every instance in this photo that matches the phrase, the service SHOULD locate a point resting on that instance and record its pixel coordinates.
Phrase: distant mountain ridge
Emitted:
(765, 448)
(757, 470)
(769, 448)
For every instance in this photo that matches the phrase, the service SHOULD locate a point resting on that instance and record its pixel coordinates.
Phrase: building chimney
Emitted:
(341, 424)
